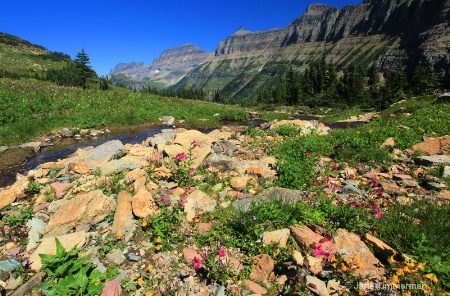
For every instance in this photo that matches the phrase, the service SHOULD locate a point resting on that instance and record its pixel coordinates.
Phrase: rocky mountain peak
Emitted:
(318, 9)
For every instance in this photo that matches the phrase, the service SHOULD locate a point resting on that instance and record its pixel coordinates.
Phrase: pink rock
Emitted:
(14, 251)
(60, 188)
(254, 287)
(41, 206)
(263, 267)
(112, 288)
(189, 254)
(402, 177)
(204, 227)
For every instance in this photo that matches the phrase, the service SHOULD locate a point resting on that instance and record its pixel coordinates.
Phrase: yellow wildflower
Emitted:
(343, 268)
(158, 239)
(80, 254)
(119, 235)
(140, 281)
(148, 294)
(406, 294)
(149, 267)
(144, 223)
(410, 264)
(391, 259)
(394, 280)
(197, 220)
(72, 223)
(420, 266)
(431, 277)
(371, 130)
(158, 247)
(277, 251)
(400, 271)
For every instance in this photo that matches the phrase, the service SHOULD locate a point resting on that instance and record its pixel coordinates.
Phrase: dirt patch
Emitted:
(14, 157)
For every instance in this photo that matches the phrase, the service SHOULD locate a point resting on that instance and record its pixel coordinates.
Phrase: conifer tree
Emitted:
(83, 71)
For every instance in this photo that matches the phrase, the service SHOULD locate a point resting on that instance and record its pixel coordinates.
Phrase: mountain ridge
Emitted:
(393, 34)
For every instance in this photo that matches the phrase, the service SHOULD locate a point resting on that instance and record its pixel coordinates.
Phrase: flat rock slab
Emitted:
(431, 160)
(116, 166)
(80, 211)
(348, 244)
(102, 153)
(198, 201)
(124, 222)
(48, 246)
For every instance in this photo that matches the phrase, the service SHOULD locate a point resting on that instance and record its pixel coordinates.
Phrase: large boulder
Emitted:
(80, 212)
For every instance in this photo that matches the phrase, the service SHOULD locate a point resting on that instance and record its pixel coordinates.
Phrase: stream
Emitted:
(67, 146)
(63, 148)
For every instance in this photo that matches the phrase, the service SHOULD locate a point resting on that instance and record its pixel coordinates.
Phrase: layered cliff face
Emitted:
(167, 69)
(391, 33)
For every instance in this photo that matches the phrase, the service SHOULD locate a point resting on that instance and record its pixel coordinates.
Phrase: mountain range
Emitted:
(393, 34)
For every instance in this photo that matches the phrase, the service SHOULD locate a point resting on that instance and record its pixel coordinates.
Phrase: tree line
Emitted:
(76, 72)
(192, 93)
(320, 85)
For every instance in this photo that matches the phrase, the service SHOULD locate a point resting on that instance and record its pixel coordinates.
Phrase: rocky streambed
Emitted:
(102, 198)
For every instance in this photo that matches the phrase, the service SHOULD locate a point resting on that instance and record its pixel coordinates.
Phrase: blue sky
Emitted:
(113, 31)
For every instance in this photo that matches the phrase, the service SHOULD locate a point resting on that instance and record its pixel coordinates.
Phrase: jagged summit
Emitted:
(390, 33)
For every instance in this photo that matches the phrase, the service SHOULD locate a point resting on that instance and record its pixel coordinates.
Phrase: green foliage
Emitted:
(15, 226)
(33, 188)
(420, 228)
(165, 227)
(296, 158)
(30, 107)
(67, 274)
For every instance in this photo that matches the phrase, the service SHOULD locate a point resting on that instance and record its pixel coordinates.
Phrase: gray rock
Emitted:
(3, 148)
(133, 257)
(445, 97)
(116, 166)
(431, 160)
(167, 120)
(435, 186)
(104, 152)
(116, 256)
(9, 264)
(284, 195)
(446, 172)
(220, 291)
(351, 189)
(100, 266)
(36, 225)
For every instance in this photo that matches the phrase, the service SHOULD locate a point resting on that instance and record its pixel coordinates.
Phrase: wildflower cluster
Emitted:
(185, 170)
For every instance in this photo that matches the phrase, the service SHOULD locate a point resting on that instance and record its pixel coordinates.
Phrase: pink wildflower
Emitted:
(196, 263)
(183, 199)
(334, 167)
(318, 252)
(328, 238)
(378, 213)
(222, 252)
(195, 143)
(191, 170)
(309, 153)
(181, 156)
(191, 189)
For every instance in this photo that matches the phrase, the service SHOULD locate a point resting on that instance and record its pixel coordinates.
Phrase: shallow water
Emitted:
(67, 146)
